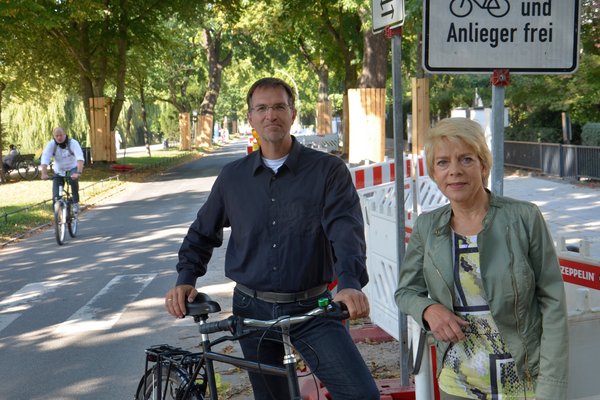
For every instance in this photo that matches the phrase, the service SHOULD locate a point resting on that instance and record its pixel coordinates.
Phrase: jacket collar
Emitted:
(443, 222)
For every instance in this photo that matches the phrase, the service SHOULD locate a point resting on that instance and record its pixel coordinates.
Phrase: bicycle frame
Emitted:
(63, 210)
(289, 370)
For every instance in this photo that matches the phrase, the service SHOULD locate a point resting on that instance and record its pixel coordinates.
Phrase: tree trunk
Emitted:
(375, 59)
(145, 120)
(216, 64)
(323, 83)
(122, 45)
(2, 178)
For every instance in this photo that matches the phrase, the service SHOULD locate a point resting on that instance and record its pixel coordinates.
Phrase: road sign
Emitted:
(387, 13)
(476, 36)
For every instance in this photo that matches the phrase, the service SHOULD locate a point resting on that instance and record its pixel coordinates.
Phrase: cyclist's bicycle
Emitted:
(176, 374)
(65, 218)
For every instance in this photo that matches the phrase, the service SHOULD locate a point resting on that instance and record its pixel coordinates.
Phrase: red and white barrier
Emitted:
(366, 176)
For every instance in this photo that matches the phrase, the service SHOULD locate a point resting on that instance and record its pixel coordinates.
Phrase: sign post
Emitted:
(388, 15)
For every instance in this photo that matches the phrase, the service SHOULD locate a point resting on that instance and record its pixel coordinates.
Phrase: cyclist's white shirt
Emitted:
(63, 159)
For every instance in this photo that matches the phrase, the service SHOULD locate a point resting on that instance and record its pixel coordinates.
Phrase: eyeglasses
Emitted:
(279, 108)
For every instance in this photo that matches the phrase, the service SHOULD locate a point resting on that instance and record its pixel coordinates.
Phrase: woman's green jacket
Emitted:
(522, 284)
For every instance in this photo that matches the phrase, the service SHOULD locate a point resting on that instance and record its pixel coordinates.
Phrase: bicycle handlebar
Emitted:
(333, 310)
(218, 326)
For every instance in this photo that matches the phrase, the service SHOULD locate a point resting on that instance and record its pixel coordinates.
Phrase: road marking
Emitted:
(107, 306)
(13, 306)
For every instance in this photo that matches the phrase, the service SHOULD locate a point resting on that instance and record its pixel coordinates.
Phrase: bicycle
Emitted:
(64, 216)
(177, 374)
(496, 8)
(25, 166)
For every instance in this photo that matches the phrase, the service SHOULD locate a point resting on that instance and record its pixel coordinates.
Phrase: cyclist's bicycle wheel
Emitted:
(72, 222)
(173, 384)
(60, 221)
(28, 170)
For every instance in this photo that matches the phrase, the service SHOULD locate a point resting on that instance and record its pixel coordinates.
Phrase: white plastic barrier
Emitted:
(379, 212)
(326, 143)
(581, 274)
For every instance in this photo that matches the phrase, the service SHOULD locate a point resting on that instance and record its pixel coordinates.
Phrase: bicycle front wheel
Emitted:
(28, 170)
(173, 383)
(72, 223)
(60, 221)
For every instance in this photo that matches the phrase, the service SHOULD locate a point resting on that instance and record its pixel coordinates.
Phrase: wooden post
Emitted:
(323, 117)
(205, 123)
(367, 124)
(102, 140)
(420, 113)
(184, 131)
(346, 126)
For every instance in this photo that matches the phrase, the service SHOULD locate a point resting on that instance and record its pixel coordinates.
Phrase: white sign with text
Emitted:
(525, 36)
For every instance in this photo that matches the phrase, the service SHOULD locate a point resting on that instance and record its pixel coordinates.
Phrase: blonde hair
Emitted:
(455, 129)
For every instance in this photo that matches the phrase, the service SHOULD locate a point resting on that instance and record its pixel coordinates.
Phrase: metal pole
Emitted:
(500, 79)
(399, 181)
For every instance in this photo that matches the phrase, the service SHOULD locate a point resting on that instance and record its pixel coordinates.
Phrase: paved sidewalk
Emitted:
(571, 210)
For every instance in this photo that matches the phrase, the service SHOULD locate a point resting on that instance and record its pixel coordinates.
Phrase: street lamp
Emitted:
(297, 96)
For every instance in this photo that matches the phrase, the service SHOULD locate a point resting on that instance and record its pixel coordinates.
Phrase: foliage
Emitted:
(590, 134)
(45, 58)
(29, 124)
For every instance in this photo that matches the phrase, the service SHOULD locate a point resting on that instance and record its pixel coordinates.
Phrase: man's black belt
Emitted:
(274, 297)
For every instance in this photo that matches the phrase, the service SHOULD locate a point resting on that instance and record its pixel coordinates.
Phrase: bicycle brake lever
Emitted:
(337, 310)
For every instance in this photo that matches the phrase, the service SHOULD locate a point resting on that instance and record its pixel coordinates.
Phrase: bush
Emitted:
(533, 134)
(590, 134)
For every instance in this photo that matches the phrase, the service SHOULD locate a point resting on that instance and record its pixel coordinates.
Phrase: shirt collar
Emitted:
(292, 161)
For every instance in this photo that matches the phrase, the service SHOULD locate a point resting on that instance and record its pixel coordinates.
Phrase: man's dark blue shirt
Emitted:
(290, 231)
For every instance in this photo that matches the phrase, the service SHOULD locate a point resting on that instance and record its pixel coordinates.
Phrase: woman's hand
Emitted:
(444, 324)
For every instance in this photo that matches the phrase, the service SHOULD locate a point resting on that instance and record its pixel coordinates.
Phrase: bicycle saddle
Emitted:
(202, 305)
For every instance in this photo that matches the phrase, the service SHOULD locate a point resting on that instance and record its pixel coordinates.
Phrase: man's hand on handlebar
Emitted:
(355, 300)
(177, 297)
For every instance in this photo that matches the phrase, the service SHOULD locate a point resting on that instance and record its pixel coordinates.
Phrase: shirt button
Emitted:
(274, 245)
(274, 268)
(273, 200)
(273, 223)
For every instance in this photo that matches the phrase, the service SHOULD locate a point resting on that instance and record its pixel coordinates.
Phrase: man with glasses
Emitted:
(304, 231)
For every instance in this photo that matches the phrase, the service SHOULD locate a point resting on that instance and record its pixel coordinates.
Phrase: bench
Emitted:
(25, 166)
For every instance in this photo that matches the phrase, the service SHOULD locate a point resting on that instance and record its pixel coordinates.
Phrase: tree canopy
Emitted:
(183, 56)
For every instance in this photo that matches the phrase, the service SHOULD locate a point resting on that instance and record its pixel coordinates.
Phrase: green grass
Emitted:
(25, 205)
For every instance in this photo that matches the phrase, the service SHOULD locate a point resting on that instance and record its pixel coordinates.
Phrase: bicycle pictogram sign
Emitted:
(496, 8)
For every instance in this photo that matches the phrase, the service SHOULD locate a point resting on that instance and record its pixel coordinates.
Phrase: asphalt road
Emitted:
(75, 319)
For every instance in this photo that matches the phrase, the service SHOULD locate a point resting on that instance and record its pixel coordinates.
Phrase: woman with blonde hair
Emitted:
(481, 274)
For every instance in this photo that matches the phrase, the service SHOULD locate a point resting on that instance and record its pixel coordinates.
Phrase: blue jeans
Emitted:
(325, 345)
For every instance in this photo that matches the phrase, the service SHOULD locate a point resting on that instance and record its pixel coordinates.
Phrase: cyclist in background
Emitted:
(9, 159)
(68, 156)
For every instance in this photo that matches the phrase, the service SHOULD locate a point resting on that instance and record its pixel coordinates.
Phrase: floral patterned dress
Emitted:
(480, 366)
